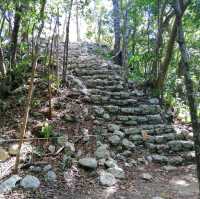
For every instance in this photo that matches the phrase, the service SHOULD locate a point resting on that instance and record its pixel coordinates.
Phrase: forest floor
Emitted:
(75, 182)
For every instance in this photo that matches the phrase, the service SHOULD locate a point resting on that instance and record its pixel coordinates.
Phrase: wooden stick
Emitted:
(30, 90)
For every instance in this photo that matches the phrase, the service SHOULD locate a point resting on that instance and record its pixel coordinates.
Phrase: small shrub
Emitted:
(47, 130)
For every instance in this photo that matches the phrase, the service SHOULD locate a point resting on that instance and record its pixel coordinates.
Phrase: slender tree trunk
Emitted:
(64, 28)
(99, 30)
(3, 18)
(78, 38)
(66, 47)
(2, 65)
(117, 32)
(168, 56)
(125, 45)
(14, 37)
(50, 69)
(147, 63)
(30, 90)
(189, 84)
(9, 21)
(57, 46)
(159, 38)
(2, 25)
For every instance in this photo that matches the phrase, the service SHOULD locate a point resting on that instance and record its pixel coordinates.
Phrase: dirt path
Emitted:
(177, 184)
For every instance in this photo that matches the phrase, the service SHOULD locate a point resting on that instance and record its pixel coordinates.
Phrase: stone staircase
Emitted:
(131, 119)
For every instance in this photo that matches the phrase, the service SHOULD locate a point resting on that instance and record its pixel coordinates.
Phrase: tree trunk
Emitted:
(159, 83)
(64, 28)
(125, 45)
(99, 30)
(14, 36)
(168, 55)
(57, 45)
(159, 39)
(50, 71)
(2, 25)
(66, 47)
(77, 23)
(9, 21)
(188, 83)
(3, 18)
(30, 90)
(2, 65)
(117, 32)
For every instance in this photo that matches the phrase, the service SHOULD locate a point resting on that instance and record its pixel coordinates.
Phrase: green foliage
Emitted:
(36, 103)
(56, 82)
(47, 130)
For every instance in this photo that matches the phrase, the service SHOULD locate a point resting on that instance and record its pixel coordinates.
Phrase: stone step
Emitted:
(171, 147)
(138, 110)
(101, 82)
(140, 130)
(84, 72)
(92, 65)
(102, 76)
(102, 100)
(96, 70)
(183, 158)
(140, 119)
(124, 93)
(136, 120)
(164, 138)
(148, 130)
(93, 84)
(114, 88)
(181, 145)
(157, 129)
(115, 94)
(138, 138)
